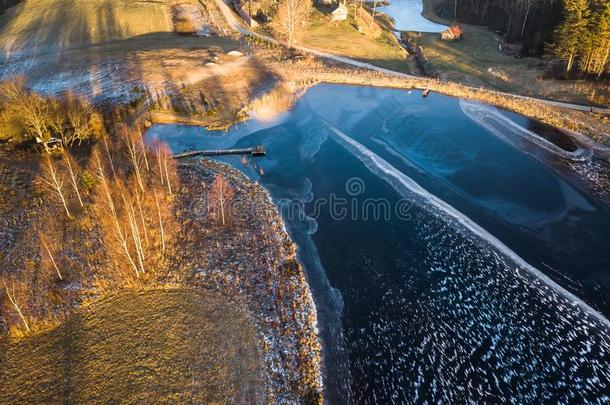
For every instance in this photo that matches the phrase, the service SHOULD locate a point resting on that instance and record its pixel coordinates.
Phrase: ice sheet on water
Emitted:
(509, 131)
(591, 160)
(488, 327)
(409, 188)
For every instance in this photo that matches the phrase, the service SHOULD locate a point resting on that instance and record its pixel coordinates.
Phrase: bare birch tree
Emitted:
(43, 241)
(221, 195)
(291, 17)
(12, 295)
(53, 178)
(134, 157)
(374, 13)
(71, 166)
(160, 218)
(109, 210)
(166, 167)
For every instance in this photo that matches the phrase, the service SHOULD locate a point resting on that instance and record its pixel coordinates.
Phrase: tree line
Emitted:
(577, 32)
(110, 223)
(529, 22)
(28, 116)
(582, 40)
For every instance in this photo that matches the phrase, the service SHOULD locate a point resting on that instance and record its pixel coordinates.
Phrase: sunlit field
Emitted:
(68, 23)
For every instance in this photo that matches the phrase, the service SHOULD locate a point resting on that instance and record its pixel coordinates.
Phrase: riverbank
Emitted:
(592, 125)
(246, 270)
(484, 58)
(307, 72)
(253, 263)
(304, 70)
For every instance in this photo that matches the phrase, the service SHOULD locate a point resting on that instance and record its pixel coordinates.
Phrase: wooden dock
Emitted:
(254, 152)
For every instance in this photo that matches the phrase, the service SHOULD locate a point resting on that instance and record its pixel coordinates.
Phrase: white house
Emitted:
(340, 13)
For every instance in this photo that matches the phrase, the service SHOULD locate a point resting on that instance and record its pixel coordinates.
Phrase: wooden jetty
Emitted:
(254, 152)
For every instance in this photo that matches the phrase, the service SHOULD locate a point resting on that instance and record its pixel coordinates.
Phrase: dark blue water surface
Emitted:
(456, 253)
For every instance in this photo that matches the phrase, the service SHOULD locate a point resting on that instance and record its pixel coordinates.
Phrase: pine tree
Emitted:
(601, 38)
(572, 33)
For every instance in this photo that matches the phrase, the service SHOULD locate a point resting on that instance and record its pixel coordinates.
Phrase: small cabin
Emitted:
(452, 33)
(340, 13)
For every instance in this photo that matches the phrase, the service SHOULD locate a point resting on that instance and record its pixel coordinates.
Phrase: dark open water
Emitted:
(453, 254)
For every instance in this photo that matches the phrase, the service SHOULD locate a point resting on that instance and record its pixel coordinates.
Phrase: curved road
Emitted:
(235, 23)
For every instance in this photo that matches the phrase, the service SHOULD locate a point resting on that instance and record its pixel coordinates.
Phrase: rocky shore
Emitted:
(252, 261)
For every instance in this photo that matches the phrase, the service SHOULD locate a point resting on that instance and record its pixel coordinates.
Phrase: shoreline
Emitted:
(304, 73)
(429, 14)
(259, 271)
(565, 119)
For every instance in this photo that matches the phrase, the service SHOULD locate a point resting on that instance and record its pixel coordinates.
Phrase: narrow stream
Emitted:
(455, 252)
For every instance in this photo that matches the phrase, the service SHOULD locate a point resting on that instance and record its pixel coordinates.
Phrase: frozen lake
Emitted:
(454, 254)
(407, 15)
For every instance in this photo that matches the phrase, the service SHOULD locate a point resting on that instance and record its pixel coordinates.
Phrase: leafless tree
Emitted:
(292, 16)
(134, 228)
(144, 150)
(221, 195)
(108, 210)
(166, 167)
(373, 16)
(57, 120)
(43, 241)
(53, 178)
(71, 166)
(108, 150)
(13, 296)
(160, 218)
(79, 114)
(134, 156)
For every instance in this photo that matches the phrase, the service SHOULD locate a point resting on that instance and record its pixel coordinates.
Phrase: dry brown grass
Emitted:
(67, 23)
(161, 346)
(216, 100)
(274, 102)
(377, 46)
(185, 27)
(477, 61)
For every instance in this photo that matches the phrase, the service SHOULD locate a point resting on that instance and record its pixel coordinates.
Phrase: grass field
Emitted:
(471, 58)
(103, 49)
(164, 346)
(476, 60)
(68, 23)
(343, 38)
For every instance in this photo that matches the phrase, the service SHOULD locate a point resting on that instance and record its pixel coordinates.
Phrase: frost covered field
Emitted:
(106, 49)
